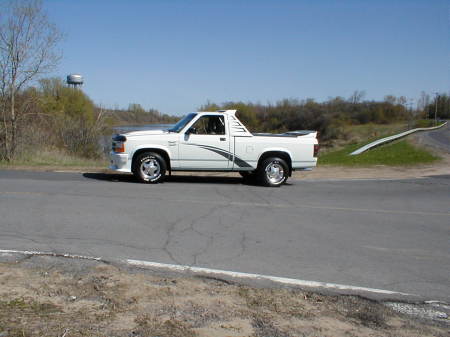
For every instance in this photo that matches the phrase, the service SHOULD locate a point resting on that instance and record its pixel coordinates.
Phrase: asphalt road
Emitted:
(388, 234)
(439, 138)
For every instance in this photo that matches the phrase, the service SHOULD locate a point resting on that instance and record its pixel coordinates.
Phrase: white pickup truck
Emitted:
(213, 141)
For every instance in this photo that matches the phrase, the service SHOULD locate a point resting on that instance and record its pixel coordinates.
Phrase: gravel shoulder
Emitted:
(441, 167)
(47, 296)
(378, 172)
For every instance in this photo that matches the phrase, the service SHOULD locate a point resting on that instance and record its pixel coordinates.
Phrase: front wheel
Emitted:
(149, 167)
(273, 172)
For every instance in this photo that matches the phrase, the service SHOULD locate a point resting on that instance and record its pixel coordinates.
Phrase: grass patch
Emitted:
(426, 123)
(352, 134)
(375, 130)
(282, 302)
(151, 326)
(54, 158)
(399, 153)
(16, 313)
(20, 305)
(368, 313)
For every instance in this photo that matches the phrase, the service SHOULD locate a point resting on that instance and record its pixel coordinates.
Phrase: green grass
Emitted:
(426, 123)
(399, 153)
(352, 134)
(363, 132)
(54, 158)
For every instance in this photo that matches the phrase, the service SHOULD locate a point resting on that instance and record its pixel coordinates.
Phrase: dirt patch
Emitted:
(108, 301)
(442, 167)
(377, 172)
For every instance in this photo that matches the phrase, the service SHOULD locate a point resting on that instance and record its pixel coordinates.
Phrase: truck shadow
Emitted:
(129, 178)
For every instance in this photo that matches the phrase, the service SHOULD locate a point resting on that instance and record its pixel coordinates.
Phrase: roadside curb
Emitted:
(233, 277)
(274, 281)
(391, 138)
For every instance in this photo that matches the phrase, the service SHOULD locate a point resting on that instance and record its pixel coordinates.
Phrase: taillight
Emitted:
(316, 149)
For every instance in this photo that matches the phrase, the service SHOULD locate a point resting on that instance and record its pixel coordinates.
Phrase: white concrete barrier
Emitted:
(391, 138)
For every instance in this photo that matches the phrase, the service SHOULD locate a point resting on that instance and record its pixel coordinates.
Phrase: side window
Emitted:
(210, 125)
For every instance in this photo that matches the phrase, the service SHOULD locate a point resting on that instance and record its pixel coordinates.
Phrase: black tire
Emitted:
(248, 177)
(154, 172)
(272, 172)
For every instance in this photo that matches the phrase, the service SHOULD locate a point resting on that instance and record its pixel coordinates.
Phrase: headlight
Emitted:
(118, 143)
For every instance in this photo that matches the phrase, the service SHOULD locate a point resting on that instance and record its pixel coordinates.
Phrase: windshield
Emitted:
(182, 122)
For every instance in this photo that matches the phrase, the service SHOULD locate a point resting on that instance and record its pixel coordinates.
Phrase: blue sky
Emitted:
(175, 55)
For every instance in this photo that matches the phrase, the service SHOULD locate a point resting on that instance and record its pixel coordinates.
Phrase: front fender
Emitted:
(150, 146)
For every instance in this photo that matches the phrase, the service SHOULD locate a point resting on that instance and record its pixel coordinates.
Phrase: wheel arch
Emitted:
(163, 153)
(277, 153)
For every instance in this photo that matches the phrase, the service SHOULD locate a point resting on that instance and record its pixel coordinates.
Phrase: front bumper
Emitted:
(119, 162)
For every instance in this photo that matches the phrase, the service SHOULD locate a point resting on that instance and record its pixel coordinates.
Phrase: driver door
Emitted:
(206, 145)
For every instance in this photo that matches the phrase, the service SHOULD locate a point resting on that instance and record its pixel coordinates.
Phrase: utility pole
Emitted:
(435, 108)
(410, 113)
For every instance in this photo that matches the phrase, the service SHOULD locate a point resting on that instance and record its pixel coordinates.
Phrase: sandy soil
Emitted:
(374, 172)
(104, 300)
(321, 172)
(377, 172)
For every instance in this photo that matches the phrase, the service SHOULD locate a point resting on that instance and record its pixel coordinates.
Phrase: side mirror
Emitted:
(191, 130)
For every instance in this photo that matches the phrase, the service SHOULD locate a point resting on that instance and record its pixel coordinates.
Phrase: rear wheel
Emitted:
(149, 167)
(273, 172)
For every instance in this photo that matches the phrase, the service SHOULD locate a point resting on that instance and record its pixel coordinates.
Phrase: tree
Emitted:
(76, 122)
(357, 96)
(439, 106)
(390, 99)
(424, 101)
(28, 43)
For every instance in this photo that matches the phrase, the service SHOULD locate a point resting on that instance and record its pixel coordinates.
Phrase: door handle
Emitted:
(223, 139)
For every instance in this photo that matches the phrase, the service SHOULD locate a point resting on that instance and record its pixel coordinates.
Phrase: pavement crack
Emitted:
(242, 244)
(169, 233)
(209, 238)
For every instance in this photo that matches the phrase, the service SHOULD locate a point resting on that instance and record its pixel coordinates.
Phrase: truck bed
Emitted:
(286, 134)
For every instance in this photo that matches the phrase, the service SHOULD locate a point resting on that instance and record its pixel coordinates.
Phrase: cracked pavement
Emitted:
(387, 234)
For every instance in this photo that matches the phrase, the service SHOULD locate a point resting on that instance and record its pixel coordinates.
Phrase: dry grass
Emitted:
(53, 159)
(107, 301)
(353, 134)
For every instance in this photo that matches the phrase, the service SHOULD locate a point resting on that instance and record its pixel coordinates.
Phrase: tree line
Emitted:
(37, 112)
(52, 115)
(330, 116)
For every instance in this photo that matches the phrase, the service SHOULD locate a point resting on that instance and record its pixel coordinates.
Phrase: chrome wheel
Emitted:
(275, 173)
(150, 169)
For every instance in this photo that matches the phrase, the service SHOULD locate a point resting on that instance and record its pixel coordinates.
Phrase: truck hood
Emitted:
(145, 133)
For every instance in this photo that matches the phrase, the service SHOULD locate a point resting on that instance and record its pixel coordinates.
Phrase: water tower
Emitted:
(74, 80)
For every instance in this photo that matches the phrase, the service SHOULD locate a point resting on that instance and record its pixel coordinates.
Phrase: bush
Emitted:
(76, 123)
(326, 117)
(80, 137)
